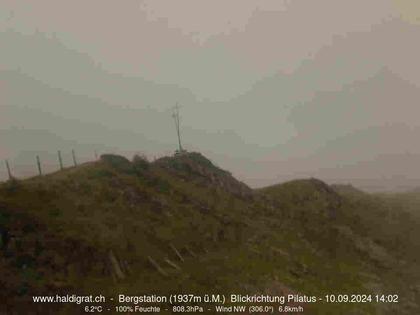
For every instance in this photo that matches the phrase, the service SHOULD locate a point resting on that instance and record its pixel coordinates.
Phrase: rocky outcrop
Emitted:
(196, 168)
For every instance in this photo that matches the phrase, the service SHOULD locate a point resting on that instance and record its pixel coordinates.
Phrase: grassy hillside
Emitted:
(183, 225)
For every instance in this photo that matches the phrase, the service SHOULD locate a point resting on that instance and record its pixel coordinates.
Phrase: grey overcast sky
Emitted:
(270, 90)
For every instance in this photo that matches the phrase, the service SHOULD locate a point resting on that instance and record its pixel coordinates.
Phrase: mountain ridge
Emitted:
(182, 224)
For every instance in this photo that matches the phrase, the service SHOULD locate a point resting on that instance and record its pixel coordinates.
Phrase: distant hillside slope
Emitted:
(183, 225)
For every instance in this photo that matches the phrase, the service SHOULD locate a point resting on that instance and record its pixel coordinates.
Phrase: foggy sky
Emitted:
(270, 90)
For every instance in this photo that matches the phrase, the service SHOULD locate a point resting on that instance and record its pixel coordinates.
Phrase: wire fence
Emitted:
(41, 168)
(43, 164)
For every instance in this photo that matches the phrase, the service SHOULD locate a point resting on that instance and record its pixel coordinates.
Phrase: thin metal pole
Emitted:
(39, 165)
(176, 118)
(74, 157)
(60, 160)
(8, 169)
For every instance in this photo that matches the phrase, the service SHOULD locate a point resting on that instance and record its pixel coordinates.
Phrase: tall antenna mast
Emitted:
(175, 116)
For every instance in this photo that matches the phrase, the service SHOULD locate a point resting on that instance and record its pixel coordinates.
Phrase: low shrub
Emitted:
(140, 163)
(118, 162)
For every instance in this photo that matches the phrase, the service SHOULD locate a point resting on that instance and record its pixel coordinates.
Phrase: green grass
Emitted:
(303, 235)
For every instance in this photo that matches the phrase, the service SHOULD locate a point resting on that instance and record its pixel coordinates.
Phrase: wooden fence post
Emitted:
(177, 253)
(60, 160)
(8, 170)
(156, 265)
(39, 165)
(74, 157)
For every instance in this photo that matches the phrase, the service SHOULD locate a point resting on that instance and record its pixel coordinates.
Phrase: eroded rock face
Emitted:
(195, 167)
(334, 199)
